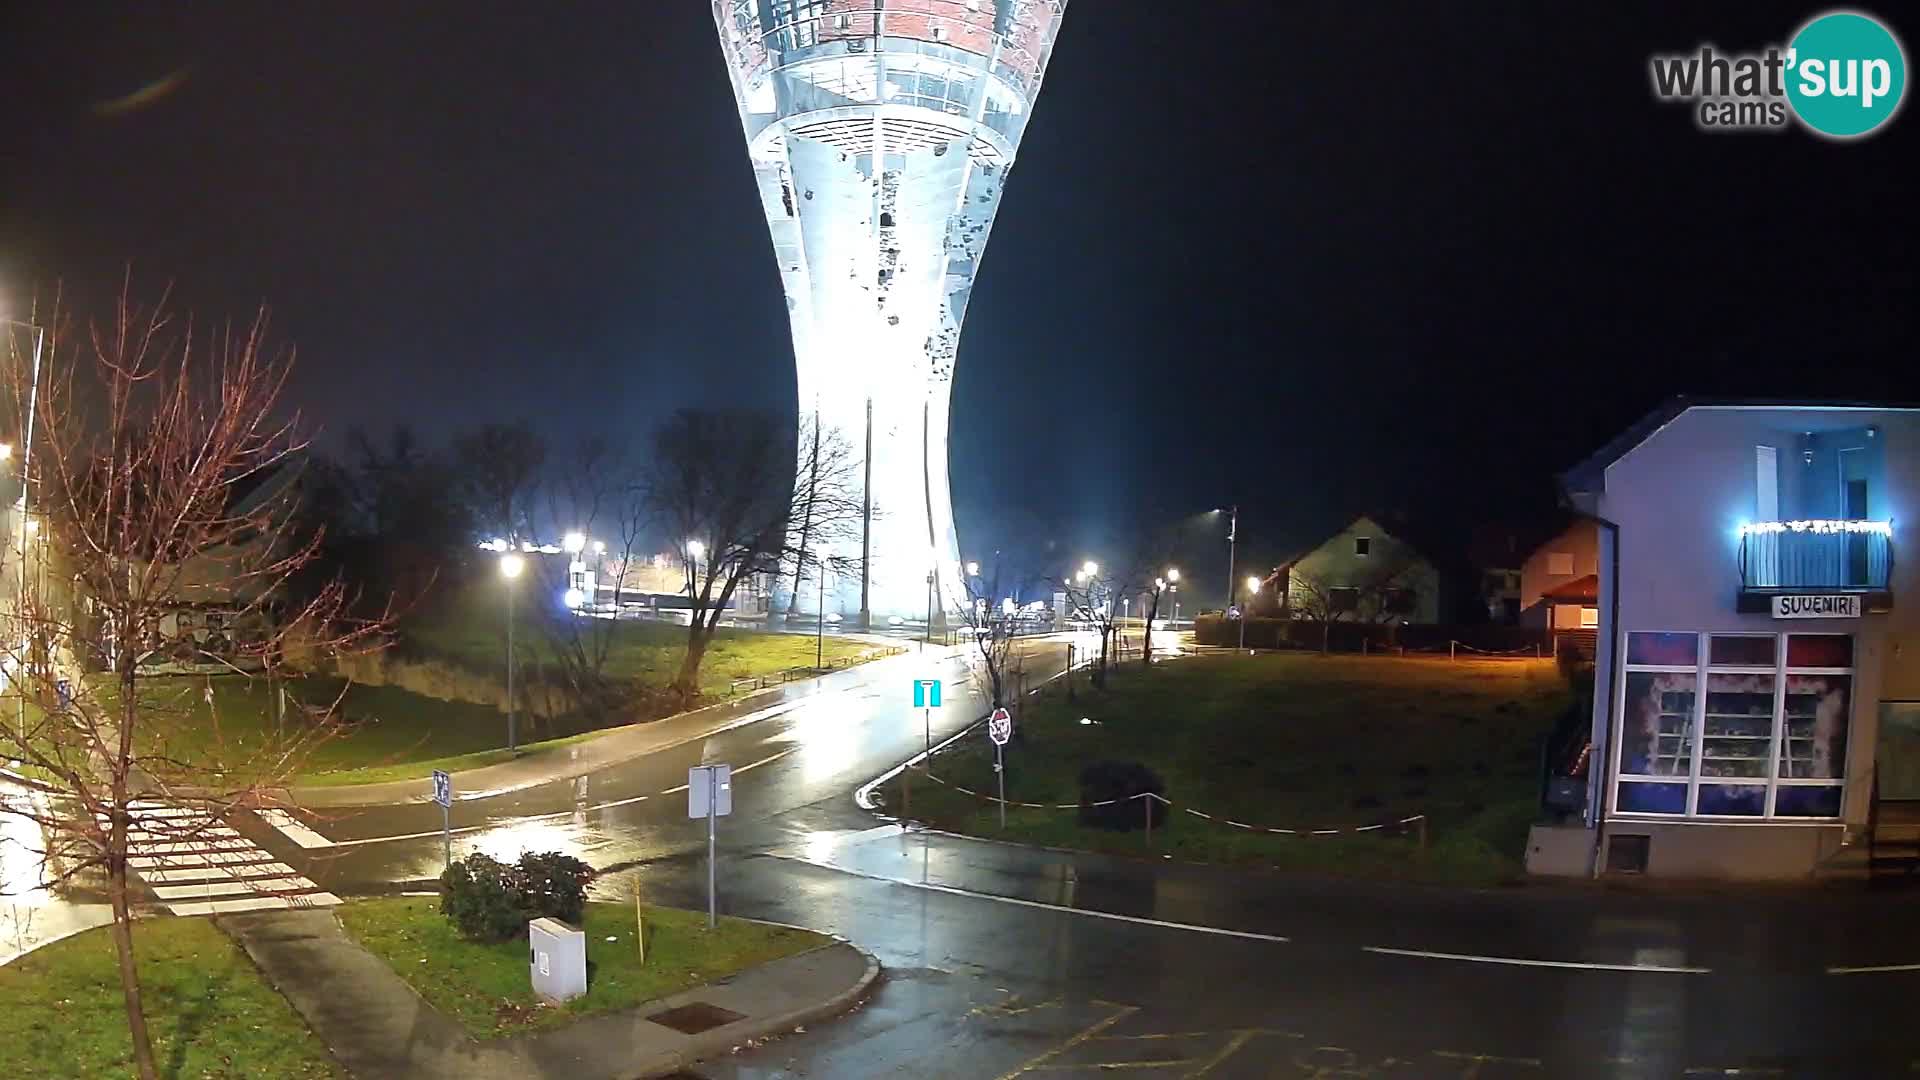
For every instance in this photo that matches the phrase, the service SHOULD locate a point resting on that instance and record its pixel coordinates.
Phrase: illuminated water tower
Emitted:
(881, 133)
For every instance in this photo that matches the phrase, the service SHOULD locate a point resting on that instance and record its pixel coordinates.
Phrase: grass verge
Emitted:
(485, 988)
(209, 1011)
(1289, 740)
(471, 632)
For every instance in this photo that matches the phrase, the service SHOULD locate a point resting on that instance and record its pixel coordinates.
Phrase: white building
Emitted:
(881, 137)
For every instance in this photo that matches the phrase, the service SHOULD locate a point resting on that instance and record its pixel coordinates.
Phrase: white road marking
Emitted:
(1520, 962)
(197, 867)
(1875, 969)
(762, 761)
(294, 829)
(210, 890)
(1088, 912)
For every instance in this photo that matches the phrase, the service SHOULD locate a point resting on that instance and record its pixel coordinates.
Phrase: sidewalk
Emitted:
(376, 1026)
(545, 765)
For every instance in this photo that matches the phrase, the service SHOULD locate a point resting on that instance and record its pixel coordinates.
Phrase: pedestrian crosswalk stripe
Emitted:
(197, 865)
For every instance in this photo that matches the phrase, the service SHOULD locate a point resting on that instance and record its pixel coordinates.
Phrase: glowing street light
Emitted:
(1090, 568)
(574, 543)
(973, 569)
(510, 567)
(696, 549)
(1173, 573)
(1253, 587)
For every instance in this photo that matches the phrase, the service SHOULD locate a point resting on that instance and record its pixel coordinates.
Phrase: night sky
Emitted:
(1315, 258)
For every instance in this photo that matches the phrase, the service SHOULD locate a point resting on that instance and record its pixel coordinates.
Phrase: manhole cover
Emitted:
(695, 1017)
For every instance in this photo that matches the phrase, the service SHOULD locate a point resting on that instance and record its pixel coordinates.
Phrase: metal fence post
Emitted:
(1423, 832)
(1146, 800)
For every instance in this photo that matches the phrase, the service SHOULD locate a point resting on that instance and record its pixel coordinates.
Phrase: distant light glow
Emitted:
(973, 569)
(599, 547)
(574, 543)
(1816, 525)
(511, 565)
(696, 549)
(1253, 584)
(495, 544)
(1173, 573)
(573, 598)
(1090, 568)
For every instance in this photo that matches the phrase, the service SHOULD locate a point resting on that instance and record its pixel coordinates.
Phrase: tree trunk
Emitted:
(123, 952)
(121, 767)
(687, 683)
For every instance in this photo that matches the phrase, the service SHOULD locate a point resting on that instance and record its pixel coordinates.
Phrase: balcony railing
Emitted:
(1841, 556)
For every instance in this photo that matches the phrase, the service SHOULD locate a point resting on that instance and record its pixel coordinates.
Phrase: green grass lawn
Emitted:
(485, 986)
(209, 1011)
(471, 633)
(1290, 740)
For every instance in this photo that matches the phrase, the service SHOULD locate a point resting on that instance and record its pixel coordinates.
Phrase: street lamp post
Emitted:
(820, 628)
(26, 480)
(510, 567)
(1233, 534)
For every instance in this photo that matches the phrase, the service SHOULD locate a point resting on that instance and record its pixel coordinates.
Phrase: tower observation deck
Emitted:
(881, 133)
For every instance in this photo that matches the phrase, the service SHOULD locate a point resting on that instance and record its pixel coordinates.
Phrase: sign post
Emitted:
(710, 795)
(443, 794)
(1000, 729)
(926, 698)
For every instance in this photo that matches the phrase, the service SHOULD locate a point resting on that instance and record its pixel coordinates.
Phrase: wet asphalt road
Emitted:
(1006, 962)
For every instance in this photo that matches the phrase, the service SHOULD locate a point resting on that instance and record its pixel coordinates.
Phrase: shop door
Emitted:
(1896, 758)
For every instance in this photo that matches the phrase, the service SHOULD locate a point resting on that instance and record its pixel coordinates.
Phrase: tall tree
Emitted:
(499, 469)
(157, 461)
(724, 486)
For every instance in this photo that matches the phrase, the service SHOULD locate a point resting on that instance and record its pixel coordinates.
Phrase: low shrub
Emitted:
(481, 897)
(554, 886)
(1118, 783)
(491, 901)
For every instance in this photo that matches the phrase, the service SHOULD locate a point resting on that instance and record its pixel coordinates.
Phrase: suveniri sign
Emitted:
(1835, 606)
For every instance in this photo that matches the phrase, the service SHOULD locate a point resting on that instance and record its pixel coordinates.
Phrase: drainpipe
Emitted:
(1597, 775)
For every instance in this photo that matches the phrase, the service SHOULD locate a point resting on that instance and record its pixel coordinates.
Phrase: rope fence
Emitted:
(1416, 823)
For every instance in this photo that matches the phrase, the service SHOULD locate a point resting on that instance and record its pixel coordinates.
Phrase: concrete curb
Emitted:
(724, 1041)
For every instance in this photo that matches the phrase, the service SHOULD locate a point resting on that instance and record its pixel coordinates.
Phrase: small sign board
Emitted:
(926, 693)
(1000, 727)
(1802, 606)
(709, 790)
(442, 788)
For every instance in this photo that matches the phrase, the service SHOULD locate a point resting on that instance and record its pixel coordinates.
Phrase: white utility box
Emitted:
(557, 959)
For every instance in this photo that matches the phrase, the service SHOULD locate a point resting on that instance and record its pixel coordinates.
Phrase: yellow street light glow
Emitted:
(511, 565)
(1173, 573)
(1253, 584)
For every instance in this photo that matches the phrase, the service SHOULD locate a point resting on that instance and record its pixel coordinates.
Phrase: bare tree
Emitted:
(725, 484)
(989, 628)
(1091, 598)
(156, 479)
(1381, 594)
(499, 468)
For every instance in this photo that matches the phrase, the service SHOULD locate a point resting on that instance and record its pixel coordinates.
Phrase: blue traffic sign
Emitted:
(926, 693)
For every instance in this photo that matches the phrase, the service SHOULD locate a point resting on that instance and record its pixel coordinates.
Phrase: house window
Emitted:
(1363, 546)
(1734, 726)
(1589, 618)
(1559, 564)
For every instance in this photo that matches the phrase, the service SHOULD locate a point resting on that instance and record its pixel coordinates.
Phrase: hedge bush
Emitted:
(491, 901)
